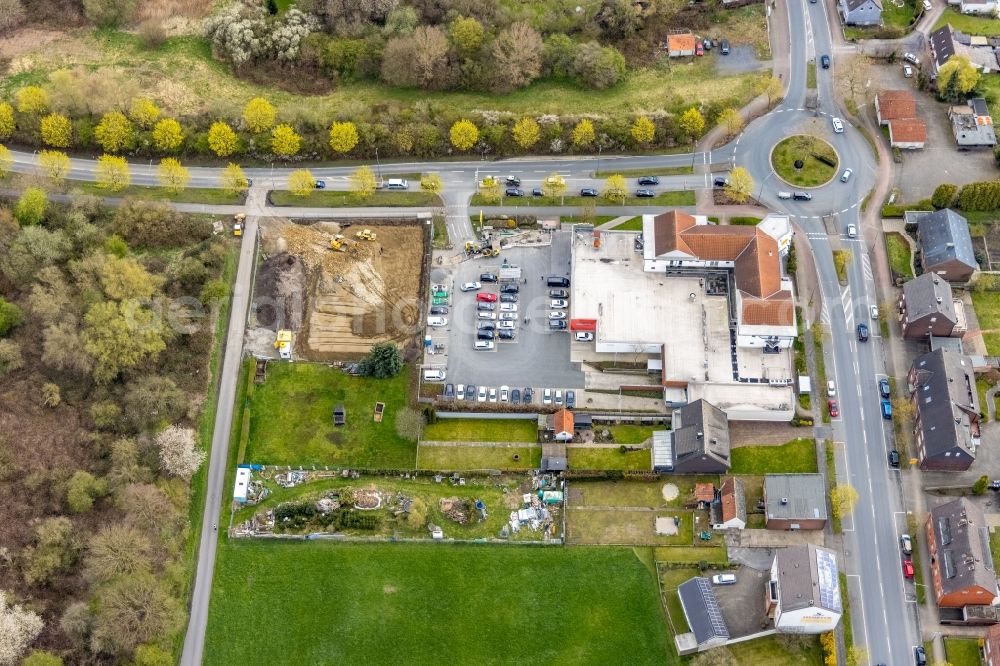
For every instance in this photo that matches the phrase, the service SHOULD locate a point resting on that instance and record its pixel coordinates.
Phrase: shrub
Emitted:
(944, 195)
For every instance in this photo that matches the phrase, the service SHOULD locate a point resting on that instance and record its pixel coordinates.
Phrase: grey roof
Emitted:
(963, 543)
(969, 133)
(807, 578)
(929, 294)
(663, 450)
(978, 105)
(700, 428)
(944, 236)
(701, 609)
(854, 4)
(942, 44)
(805, 495)
(944, 392)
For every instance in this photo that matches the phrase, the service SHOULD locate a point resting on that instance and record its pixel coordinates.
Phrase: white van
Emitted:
(484, 345)
(784, 195)
(437, 321)
(724, 579)
(434, 375)
(397, 184)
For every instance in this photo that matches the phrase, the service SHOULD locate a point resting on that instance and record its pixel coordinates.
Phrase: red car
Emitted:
(699, 50)
(486, 297)
(908, 568)
(834, 408)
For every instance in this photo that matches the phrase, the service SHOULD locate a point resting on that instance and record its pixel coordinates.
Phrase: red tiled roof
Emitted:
(728, 496)
(907, 130)
(778, 310)
(683, 42)
(894, 104)
(562, 421)
(704, 492)
(667, 229)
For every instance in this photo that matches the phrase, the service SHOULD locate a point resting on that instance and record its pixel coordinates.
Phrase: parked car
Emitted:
(508, 298)
(508, 307)
(558, 293)
(484, 345)
(529, 393)
(784, 195)
(486, 298)
(486, 326)
(436, 321)
(834, 408)
(570, 399)
(720, 181)
(802, 196)
(547, 397)
(846, 176)
(883, 388)
(470, 391)
(919, 655)
(320, 185)
(707, 43)
(506, 324)
(537, 192)
(699, 50)
(838, 124)
(449, 391)
(649, 180)
(558, 303)
(471, 286)
(482, 394)
(852, 231)
(908, 568)
(558, 398)
(493, 394)
(485, 334)
(486, 315)
(724, 46)
(557, 315)
(912, 59)
(513, 181)
(557, 324)
(505, 334)
(862, 333)
(509, 289)
(824, 61)
(831, 388)
(513, 192)
(487, 277)
(460, 392)
(504, 394)
(508, 316)
(485, 307)
(645, 194)
(515, 396)
(886, 410)
(724, 579)
(894, 458)
(583, 336)
(588, 192)
(439, 310)
(907, 72)
(927, 5)
(906, 544)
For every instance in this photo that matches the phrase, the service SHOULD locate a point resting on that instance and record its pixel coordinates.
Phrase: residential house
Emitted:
(860, 12)
(803, 593)
(958, 540)
(704, 495)
(946, 405)
(554, 457)
(927, 308)
(729, 509)
(794, 502)
(703, 615)
(946, 246)
(980, 7)
(907, 134)
(972, 125)
(698, 442)
(680, 44)
(897, 109)
(946, 42)
(560, 426)
(991, 646)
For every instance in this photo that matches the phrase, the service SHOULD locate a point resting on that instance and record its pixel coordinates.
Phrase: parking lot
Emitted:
(536, 356)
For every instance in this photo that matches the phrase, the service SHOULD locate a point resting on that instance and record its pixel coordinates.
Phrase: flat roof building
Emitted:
(794, 502)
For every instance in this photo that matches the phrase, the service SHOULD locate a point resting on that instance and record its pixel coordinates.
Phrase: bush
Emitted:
(979, 487)
(944, 195)
(11, 316)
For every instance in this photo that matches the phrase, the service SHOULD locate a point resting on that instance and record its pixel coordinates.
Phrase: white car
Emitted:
(582, 336)
(547, 397)
(928, 6)
(471, 286)
(508, 316)
(460, 392)
(558, 303)
(846, 176)
(493, 395)
(838, 124)
(507, 324)
(910, 58)
(874, 311)
(486, 315)
(482, 394)
(504, 394)
(852, 231)
(907, 71)
(508, 307)
(559, 396)
(437, 322)
(557, 315)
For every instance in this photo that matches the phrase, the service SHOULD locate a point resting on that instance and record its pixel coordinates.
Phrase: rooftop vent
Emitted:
(784, 500)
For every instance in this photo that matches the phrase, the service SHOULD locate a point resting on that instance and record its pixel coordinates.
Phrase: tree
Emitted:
(854, 77)
(117, 550)
(51, 395)
(112, 173)
(958, 74)
(363, 182)
(692, 123)
(285, 141)
(615, 188)
(109, 13)
(418, 60)
(119, 336)
(124, 278)
(31, 100)
(31, 251)
(464, 134)
(82, 490)
(53, 552)
(143, 112)
(526, 132)
(554, 186)
(31, 206)
(222, 139)
(172, 175)
(558, 55)
(168, 135)
(583, 134)
(133, 610)
(179, 456)
(42, 658)
(233, 179)
(843, 497)
(6, 161)
(771, 87)
(466, 35)
(740, 185)
(11, 316)
(259, 115)
(152, 655)
(343, 137)
(7, 124)
(301, 182)
(979, 487)
(731, 119)
(10, 357)
(114, 132)
(383, 361)
(431, 182)
(598, 66)
(944, 195)
(57, 130)
(54, 164)
(489, 189)
(721, 656)
(18, 629)
(145, 505)
(515, 57)
(643, 130)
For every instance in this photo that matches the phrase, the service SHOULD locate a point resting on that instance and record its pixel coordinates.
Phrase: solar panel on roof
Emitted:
(944, 531)
(712, 606)
(948, 564)
(829, 583)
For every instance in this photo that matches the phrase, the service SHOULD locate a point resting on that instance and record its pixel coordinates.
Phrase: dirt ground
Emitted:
(338, 303)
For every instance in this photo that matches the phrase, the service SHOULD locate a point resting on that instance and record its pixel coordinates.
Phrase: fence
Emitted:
(344, 538)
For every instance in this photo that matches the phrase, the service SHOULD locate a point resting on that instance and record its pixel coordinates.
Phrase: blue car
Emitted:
(588, 192)
(886, 410)
(320, 185)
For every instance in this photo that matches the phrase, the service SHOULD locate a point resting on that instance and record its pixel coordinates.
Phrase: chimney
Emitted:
(939, 299)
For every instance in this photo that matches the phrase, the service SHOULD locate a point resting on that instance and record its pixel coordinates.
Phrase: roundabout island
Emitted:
(803, 160)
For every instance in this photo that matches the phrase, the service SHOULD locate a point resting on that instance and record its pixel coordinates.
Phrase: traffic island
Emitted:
(802, 160)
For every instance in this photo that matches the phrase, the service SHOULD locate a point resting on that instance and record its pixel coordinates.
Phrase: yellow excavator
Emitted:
(338, 243)
(238, 221)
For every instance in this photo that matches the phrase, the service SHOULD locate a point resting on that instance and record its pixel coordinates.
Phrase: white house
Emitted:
(242, 485)
(803, 594)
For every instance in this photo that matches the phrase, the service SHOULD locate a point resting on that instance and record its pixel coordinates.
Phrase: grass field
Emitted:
(343, 199)
(607, 458)
(291, 421)
(202, 195)
(323, 603)
(805, 148)
(969, 24)
(962, 651)
(797, 456)
(631, 224)
(456, 458)
(482, 430)
(631, 434)
(625, 527)
(769, 650)
(987, 304)
(691, 555)
(683, 198)
(670, 580)
(749, 221)
(811, 75)
(576, 219)
(900, 257)
(638, 493)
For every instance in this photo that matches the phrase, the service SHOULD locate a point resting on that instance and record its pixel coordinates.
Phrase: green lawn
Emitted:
(630, 493)
(576, 219)
(683, 198)
(587, 458)
(635, 173)
(969, 24)
(806, 148)
(990, 83)
(769, 650)
(456, 458)
(962, 651)
(482, 430)
(631, 224)
(625, 527)
(746, 221)
(325, 603)
(202, 195)
(995, 546)
(631, 434)
(982, 386)
(291, 420)
(797, 456)
(841, 258)
(811, 75)
(987, 304)
(344, 199)
(670, 580)
(900, 257)
(691, 555)
(440, 239)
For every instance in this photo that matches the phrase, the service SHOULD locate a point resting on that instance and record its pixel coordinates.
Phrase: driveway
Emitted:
(741, 59)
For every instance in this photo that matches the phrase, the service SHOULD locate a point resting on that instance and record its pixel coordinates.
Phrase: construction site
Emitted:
(328, 290)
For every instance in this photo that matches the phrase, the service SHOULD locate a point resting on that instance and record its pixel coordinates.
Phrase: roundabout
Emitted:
(803, 160)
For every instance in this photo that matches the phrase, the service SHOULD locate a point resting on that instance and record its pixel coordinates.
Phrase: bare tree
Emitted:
(115, 551)
(133, 610)
(853, 78)
(178, 454)
(420, 59)
(516, 57)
